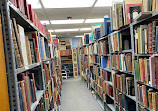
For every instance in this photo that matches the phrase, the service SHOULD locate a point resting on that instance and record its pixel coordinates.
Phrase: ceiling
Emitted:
(76, 13)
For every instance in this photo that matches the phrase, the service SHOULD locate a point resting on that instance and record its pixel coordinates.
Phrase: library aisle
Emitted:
(77, 97)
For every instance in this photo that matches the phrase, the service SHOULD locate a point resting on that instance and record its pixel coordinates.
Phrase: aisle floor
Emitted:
(77, 97)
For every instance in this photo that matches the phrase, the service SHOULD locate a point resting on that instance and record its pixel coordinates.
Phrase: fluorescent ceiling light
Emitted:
(65, 30)
(103, 3)
(67, 3)
(85, 29)
(79, 36)
(54, 35)
(94, 20)
(77, 21)
(50, 30)
(45, 22)
(34, 3)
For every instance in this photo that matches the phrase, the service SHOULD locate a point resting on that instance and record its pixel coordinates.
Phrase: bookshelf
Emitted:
(34, 80)
(66, 57)
(142, 90)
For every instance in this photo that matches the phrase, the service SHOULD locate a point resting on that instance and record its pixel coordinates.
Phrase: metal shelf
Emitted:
(22, 20)
(145, 55)
(107, 69)
(66, 55)
(154, 87)
(122, 71)
(102, 38)
(39, 95)
(25, 68)
(111, 106)
(123, 51)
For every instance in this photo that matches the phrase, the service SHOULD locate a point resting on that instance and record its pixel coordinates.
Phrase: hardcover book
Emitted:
(132, 12)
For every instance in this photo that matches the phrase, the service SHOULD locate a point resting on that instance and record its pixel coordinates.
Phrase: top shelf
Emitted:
(22, 20)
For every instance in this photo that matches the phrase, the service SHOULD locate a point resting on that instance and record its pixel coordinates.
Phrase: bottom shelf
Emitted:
(39, 95)
(111, 106)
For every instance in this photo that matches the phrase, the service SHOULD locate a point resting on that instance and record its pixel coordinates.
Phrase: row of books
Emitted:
(65, 52)
(27, 10)
(97, 31)
(105, 62)
(122, 62)
(43, 48)
(27, 91)
(146, 70)
(123, 102)
(124, 84)
(46, 70)
(26, 45)
(146, 38)
(64, 42)
(105, 75)
(103, 47)
(86, 50)
(122, 11)
(105, 28)
(41, 105)
(120, 42)
(148, 97)
(108, 89)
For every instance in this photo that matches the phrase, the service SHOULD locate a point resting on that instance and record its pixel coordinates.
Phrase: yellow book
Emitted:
(154, 5)
(138, 31)
(4, 97)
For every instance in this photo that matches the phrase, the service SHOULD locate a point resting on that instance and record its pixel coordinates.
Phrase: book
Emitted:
(22, 44)
(28, 50)
(16, 47)
(150, 38)
(152, 71)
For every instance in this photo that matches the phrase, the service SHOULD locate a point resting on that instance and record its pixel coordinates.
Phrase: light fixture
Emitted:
(85, 29)
(45, 22)
(77, 21)
(50, 30)
(67, 3)
(94, 20)
(66, 30)
(103, 3)
(35, 4)
(79, 36)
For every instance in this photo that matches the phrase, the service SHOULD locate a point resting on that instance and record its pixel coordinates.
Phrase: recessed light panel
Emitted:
(103, 3)
(77, 21)
(65, 30)
(35, 4)
(67, 3)
(45, 22)
(85, 29)
(79, 36)
(50, 30)
(94, 20)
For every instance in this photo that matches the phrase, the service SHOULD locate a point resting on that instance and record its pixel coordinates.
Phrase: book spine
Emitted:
(150, 38)
(153, 35)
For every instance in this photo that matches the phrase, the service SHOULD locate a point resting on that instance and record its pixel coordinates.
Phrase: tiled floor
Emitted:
(77, 97)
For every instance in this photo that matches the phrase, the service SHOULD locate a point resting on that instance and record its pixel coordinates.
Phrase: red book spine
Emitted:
(144, 95)
(150, 38)
(22, 6)
(31, 12)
